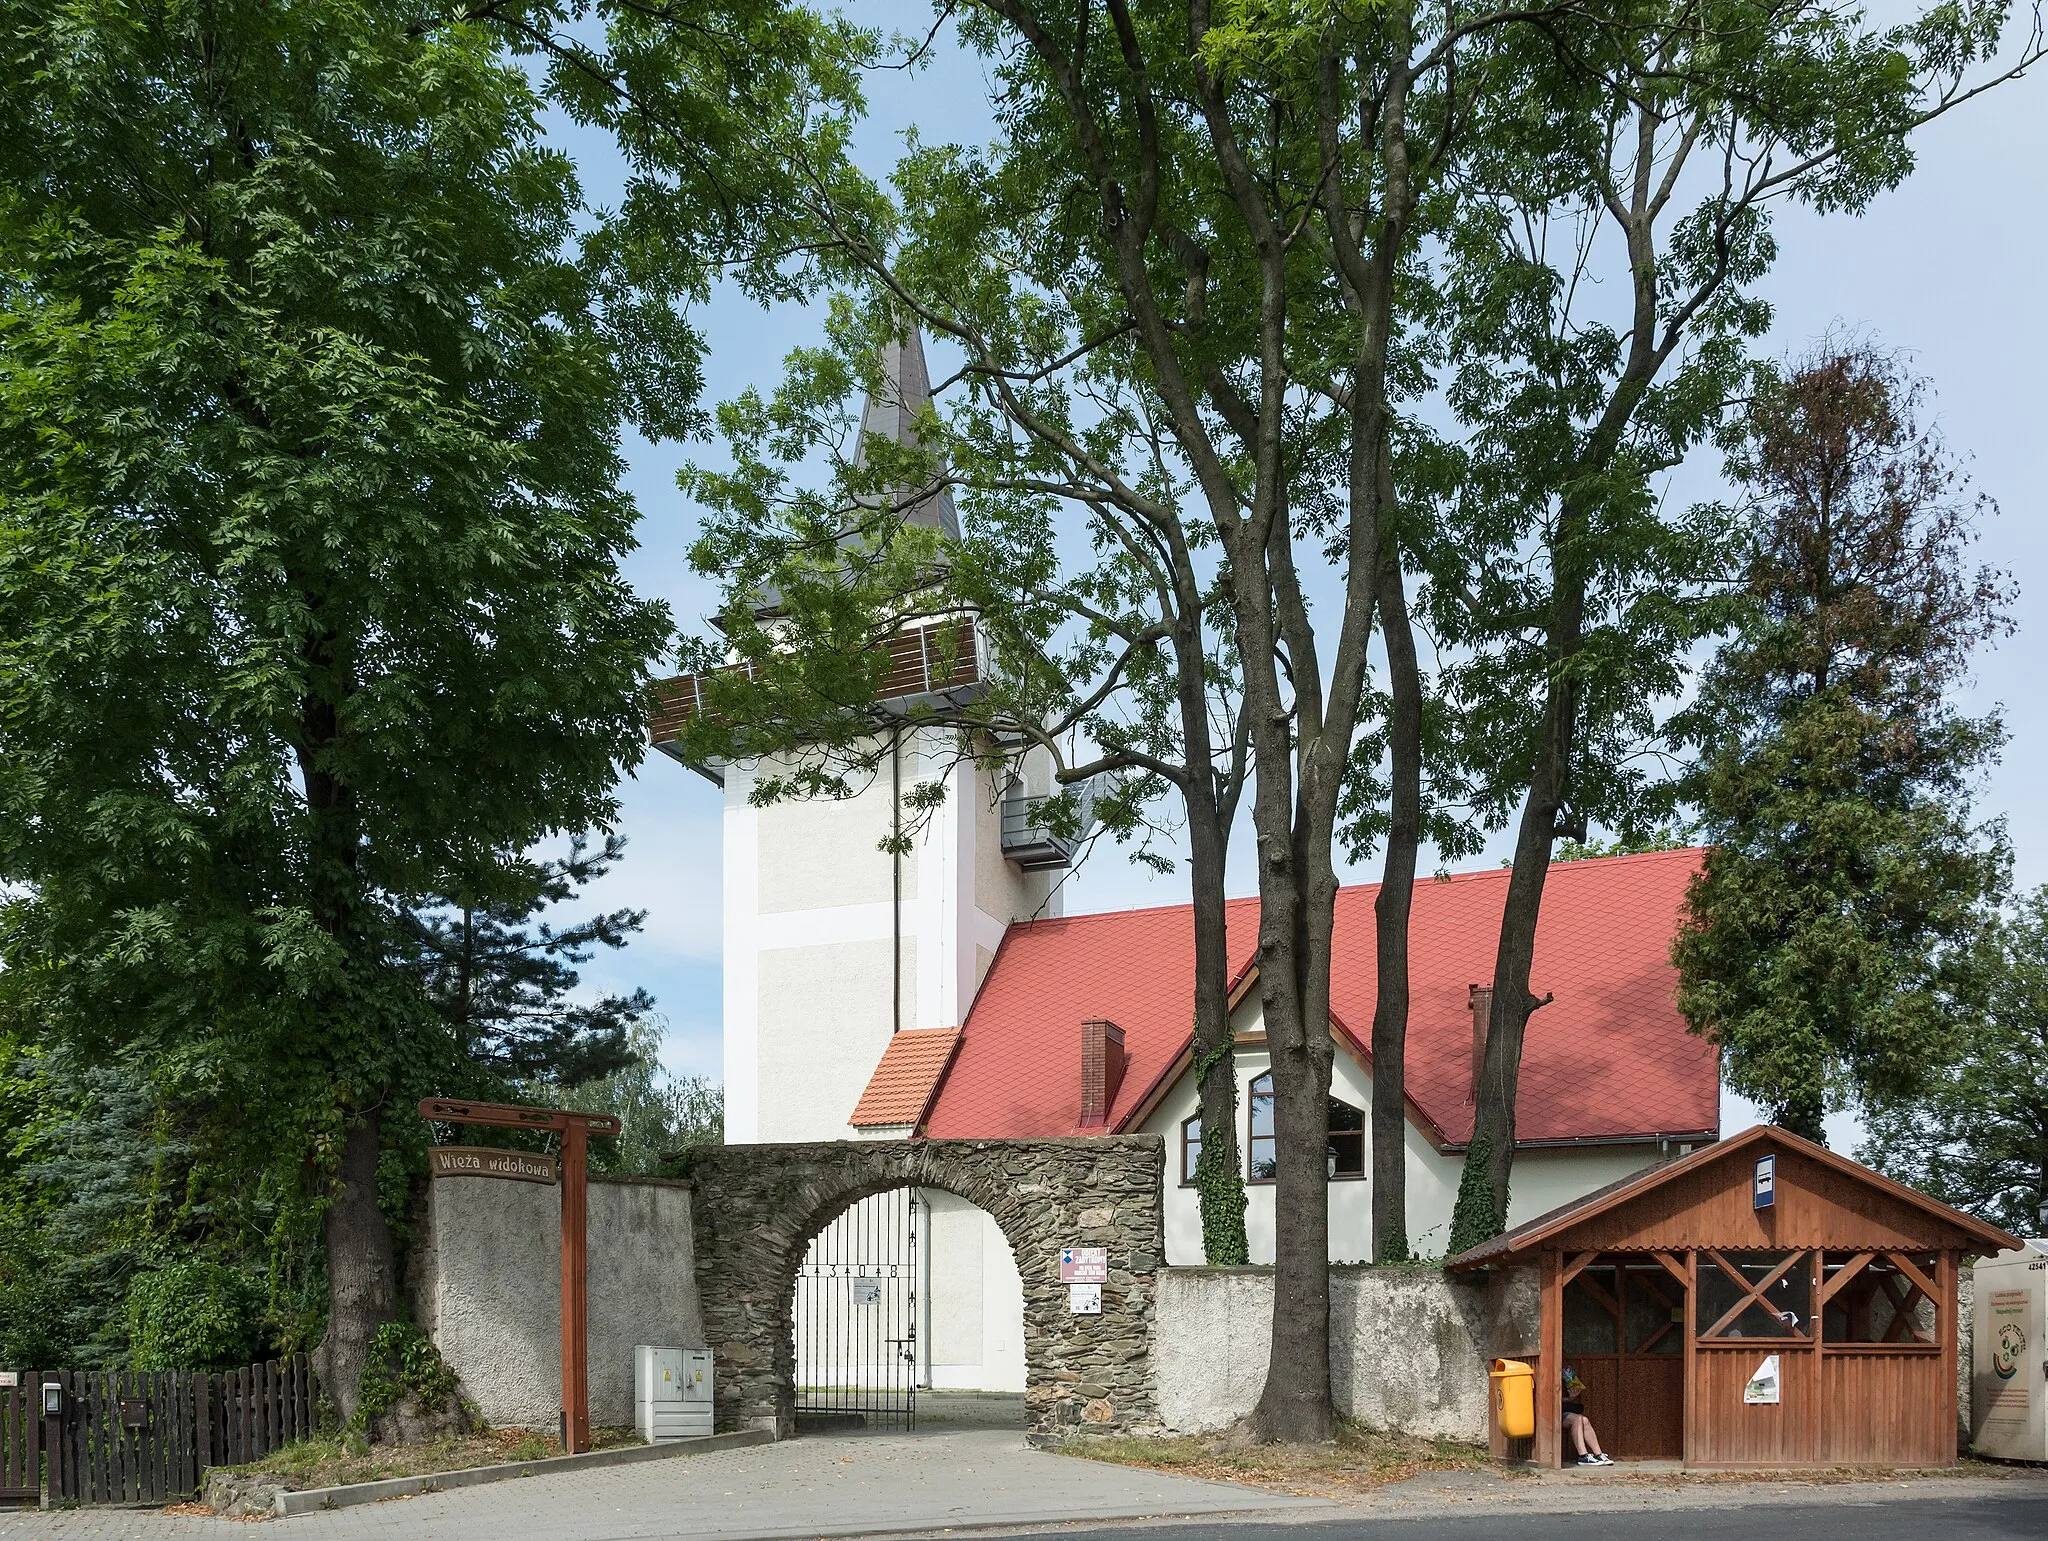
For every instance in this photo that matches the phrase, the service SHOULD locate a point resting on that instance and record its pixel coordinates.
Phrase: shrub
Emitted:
(194, 1315)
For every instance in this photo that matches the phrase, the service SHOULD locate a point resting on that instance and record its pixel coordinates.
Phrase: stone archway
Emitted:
(756, 1208)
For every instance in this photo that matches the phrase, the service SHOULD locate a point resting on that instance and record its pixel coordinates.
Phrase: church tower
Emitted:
(833, 945)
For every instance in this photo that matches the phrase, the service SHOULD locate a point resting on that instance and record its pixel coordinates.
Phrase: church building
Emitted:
(943, 994)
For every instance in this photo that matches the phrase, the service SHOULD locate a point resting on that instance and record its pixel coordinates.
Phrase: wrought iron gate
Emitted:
(858, 1295)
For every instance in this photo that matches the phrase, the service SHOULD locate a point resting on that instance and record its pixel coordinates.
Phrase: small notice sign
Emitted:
(1084, 1300)
(482, 1161)
(10, 1377)
(1084, 1265)
(1762, 1390)
(1766, 1182)
(867, 1292)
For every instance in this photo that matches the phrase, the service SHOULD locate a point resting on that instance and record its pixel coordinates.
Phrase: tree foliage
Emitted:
(505, 981)
(313, 372)
(1975, 1132)
(1831, 938)
(1650, 142)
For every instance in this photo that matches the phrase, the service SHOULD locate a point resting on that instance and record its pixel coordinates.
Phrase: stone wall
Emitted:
(758, 1206)
(485, 1281)
(1409, 1347)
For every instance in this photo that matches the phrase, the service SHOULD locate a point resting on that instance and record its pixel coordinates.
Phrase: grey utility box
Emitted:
(671, 1393)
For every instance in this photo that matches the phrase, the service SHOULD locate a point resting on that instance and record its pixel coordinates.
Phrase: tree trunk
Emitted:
(361, 1287)
(1391, 911)
(1296, 1406)
(1483, 1196)
(1219, 1172)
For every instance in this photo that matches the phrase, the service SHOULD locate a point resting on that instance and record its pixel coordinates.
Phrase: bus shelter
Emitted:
(1761, 1302)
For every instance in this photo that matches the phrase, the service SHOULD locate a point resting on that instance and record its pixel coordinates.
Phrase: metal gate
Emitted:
(858, 1295)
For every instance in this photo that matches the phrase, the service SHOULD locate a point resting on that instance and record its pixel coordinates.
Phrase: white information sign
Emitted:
(1762, 1390)
(1084, 1265)
(1084, 1300)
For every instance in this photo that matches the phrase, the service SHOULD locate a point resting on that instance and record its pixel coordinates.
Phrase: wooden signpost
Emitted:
(576, 1130)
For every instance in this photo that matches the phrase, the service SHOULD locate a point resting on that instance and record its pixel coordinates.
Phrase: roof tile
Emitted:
(1608, 1058)
(901, 1088)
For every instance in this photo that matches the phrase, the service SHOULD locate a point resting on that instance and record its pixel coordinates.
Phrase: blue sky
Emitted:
(1947, 268)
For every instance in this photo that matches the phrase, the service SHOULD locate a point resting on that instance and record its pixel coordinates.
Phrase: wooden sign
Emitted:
(482, 1161)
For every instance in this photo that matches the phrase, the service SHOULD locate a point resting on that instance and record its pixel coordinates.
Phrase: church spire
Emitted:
(892, 412)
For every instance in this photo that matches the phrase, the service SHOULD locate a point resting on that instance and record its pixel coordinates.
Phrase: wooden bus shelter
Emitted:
(1676, 1292)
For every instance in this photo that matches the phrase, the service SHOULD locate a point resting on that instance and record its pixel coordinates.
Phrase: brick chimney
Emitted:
(1482, 1015)
(1102, 1071)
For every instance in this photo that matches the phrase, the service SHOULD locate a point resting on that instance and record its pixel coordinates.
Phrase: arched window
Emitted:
(1190, 1148)
(1346, 1130)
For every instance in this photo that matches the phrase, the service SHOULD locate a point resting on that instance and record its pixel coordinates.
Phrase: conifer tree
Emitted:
(1831, 939)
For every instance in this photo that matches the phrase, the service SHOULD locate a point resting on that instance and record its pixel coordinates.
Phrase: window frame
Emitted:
(1187, 1162)
(1253, 1096)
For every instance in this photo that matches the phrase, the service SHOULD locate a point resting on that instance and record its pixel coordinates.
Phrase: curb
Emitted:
(315, 1500)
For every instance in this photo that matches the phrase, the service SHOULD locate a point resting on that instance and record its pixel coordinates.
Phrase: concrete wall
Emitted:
(1409, 1347)
(485, 1282)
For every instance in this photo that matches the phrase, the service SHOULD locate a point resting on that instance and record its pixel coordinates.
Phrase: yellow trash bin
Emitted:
(1517, 1383)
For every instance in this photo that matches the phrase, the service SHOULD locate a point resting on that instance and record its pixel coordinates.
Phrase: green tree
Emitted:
(1650, 142)
(505, 981)
(1098, 653)
(310, 610)
(661, 1113)
(1830, 940)
(1975, 1133)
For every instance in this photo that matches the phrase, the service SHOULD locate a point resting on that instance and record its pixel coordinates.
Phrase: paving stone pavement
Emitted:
(819, 1486)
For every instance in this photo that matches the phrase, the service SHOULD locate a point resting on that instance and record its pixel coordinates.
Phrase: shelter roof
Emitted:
(1608, 1059)
(1874, 1199)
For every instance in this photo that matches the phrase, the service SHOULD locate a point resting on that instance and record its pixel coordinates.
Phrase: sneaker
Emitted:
(1603, 1460)
(1592, 1460)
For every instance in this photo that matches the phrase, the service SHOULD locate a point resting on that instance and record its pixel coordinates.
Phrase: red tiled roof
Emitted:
(1609, 1058)
(901, 1088)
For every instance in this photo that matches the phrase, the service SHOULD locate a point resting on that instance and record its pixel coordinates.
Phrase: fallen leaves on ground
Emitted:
(1359, 1459)
(337, 1461)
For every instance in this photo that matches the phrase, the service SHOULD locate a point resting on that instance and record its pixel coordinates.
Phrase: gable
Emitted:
(1823, 1201)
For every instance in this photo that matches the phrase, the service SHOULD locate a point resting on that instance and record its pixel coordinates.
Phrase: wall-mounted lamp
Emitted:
(53, 1399)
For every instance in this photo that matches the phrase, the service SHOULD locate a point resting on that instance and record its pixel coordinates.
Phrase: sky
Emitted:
(1948, 268)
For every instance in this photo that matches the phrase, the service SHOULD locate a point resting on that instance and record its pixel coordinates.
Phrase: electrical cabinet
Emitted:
(2009, 1355)
(671, 1392)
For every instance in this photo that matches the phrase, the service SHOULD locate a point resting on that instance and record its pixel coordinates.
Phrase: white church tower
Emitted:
(832, 944)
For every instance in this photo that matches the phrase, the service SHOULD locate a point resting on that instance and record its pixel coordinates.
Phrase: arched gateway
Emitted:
(756, 1208)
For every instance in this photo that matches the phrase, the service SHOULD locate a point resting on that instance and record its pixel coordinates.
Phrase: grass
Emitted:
(1361, 1458)
(334, 1460)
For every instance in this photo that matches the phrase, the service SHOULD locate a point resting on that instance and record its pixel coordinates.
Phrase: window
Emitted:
(1264, 1148)
(1878, 1297)
(1190, 1147)
(1346, 1132)
(1347, 1140)
(1767, 1295)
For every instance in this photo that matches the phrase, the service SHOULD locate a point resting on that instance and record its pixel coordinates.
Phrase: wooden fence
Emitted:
(138, 1437)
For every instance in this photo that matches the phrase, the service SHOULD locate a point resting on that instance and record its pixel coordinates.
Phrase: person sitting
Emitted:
(1578, 1428)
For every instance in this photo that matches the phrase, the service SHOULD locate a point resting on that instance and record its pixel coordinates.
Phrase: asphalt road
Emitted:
(1930, 1519)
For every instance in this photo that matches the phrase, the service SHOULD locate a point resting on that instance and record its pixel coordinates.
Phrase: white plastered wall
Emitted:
(1543, 1179)
(976, 1311)
(812, 917)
